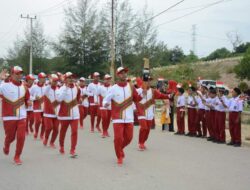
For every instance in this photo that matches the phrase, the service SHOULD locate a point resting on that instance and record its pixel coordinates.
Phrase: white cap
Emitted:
(82, 79)
(120, 69)
(96, 74)
(54, 77)
(107, 76)
(68, 74)
(16, 69)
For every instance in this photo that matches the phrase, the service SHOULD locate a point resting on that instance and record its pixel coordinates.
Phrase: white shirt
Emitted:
(93, 91)
(84, 92)
(235, 105)
(181, 101)
(219, 106)
(191, 102)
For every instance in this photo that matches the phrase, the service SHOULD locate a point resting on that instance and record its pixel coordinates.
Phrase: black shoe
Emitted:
(237, 145)
(221, 142)
(209, 139)
(177, 133)
(188, 134)
(198, 136)
(215, 141)
(230, 143)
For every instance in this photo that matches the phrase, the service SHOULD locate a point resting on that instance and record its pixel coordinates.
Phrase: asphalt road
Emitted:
(170, 162)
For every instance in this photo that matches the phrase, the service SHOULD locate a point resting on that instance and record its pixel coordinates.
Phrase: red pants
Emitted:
(208, 122)
(180, 120)
(192, 113)
(221, 126)
(83, 114)
(51, 124)
(95, 111)
(216, 126)
(38, 116)
(136, 121)
(235, 127)
(212, 117)
(29, 121)
(74, 127)
(145, 126)
(15, 129)
(201, 123)
(106, 118)
(123, 134)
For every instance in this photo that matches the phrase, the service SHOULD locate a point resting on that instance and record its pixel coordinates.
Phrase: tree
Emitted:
(242, 48)
(218, 53)
(242, 70)
(81, 44)
(234, 39)
(176, 55)
(191, 58)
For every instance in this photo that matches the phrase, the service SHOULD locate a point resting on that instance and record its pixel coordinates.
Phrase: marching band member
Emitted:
(83, 107)
(30, 115)
(121, 97)
(15, 99)
(51, 111)
(105, 112)
(146, 112)
(94, 102)
(68, 95)
(36, 93)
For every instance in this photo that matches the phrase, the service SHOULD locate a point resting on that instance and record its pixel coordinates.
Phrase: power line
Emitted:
(164, 11)
(200, 35)
(53, 14)
(52, 8)
(151, 18)
(193, 12)
(15, 28)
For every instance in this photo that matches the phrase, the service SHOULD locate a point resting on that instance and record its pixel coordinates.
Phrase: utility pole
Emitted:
(112, 53)
(31, 48)
(194, 39)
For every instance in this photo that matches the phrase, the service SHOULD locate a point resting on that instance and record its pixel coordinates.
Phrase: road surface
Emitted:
(171, 162)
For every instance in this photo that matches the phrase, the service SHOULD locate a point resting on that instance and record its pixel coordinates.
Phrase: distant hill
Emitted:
(220, 69)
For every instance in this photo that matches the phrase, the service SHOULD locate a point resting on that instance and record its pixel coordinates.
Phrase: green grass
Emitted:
(247, 109)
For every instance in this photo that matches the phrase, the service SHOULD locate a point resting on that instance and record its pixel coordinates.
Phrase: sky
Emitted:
(212, 24)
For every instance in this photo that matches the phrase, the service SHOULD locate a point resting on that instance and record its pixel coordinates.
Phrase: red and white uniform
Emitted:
(68, 114)
(51, 108)
(201, 127)
(84, 105)
(192, 113)
(37, 92)
(93, 93)
(122, 95)
(235, 107)
(30, 114)
(146, 112)
(180, 109)
(14, 101)
(105, 112)
(220, 118)
(212, 115)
